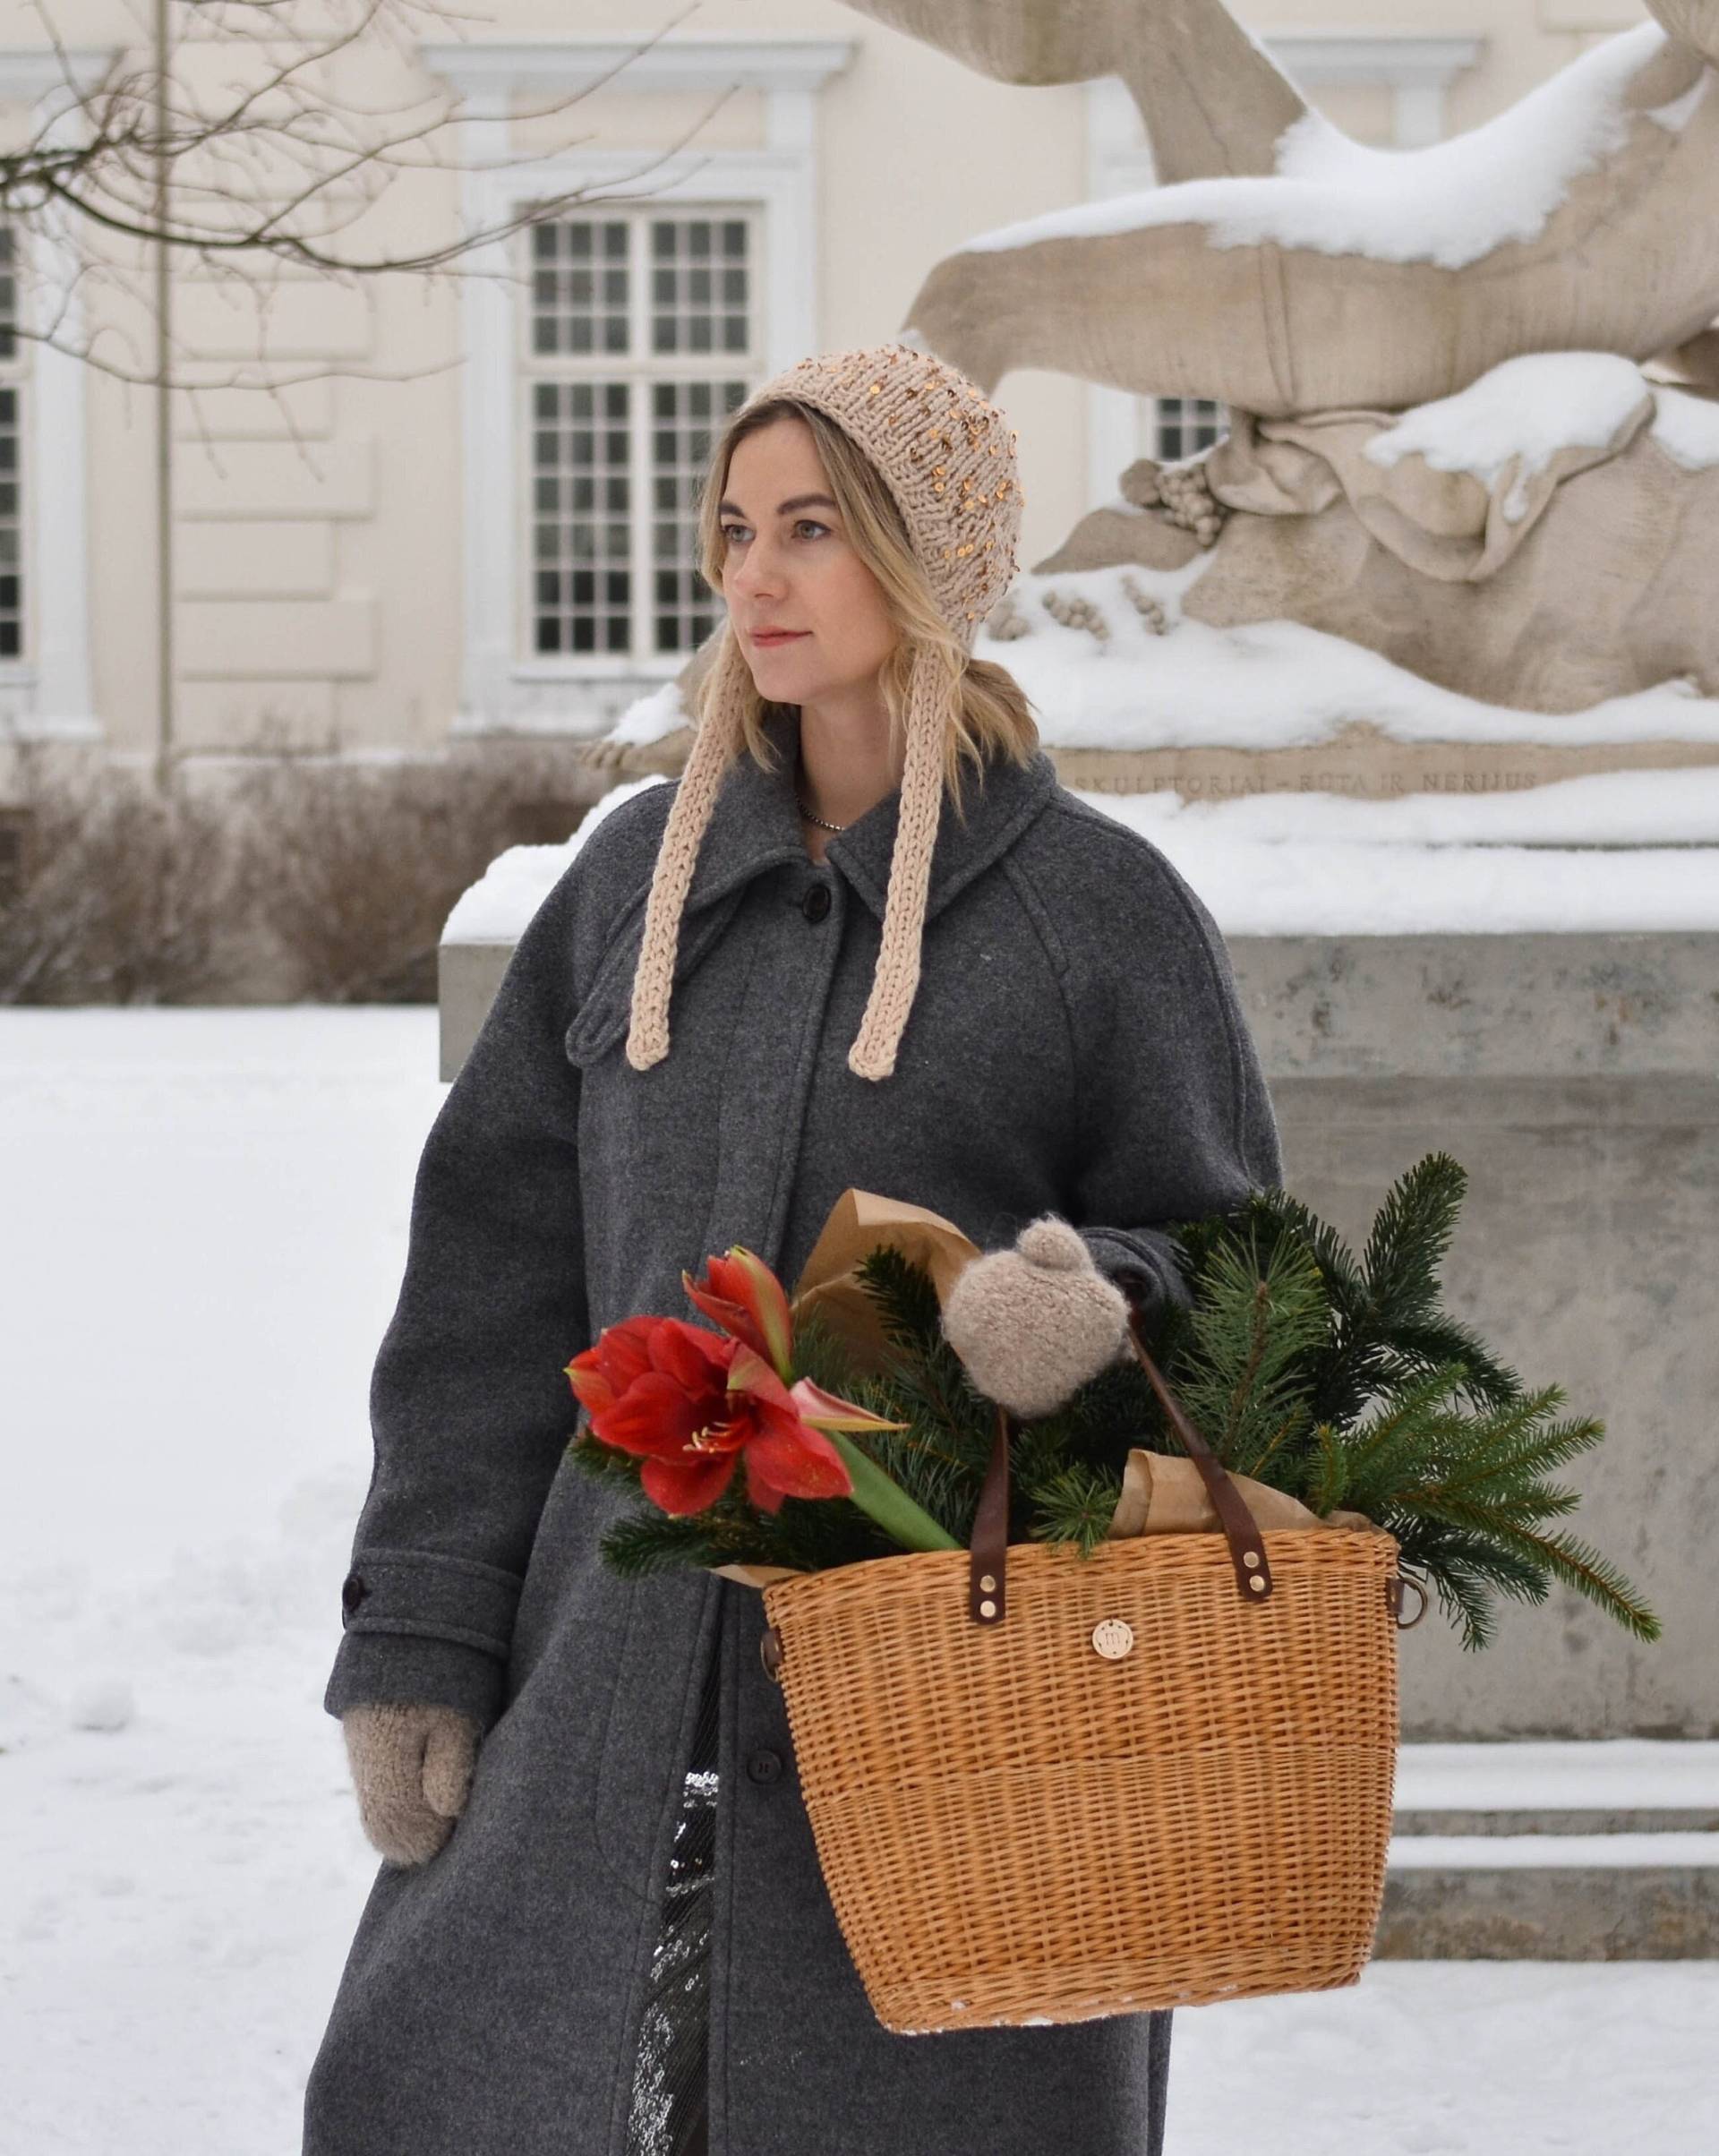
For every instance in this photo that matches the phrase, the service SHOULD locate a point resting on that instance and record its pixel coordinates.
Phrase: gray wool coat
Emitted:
(1075, 1045)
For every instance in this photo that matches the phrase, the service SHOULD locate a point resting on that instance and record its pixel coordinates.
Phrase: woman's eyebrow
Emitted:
(795, 501)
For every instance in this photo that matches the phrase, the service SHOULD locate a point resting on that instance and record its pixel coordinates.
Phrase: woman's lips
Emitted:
(778, 635)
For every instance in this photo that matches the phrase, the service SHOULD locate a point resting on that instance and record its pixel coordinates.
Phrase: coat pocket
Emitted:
(604, 1016)
(659, 1668)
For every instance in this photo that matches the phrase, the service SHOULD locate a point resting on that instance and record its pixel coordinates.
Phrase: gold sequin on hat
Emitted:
(948, 456)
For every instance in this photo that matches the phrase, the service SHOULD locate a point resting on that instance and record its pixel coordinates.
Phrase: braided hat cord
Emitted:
(897, 971)
(946, 454)
(714, 745)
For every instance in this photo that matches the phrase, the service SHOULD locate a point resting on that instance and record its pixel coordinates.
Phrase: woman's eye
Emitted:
(732, 531)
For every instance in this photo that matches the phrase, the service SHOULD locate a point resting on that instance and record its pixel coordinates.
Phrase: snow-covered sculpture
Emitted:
(1442, 445)
(1284, 268)
(1420, 349)
(1544, 539)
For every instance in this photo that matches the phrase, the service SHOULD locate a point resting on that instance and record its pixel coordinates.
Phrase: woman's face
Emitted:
(789, 565)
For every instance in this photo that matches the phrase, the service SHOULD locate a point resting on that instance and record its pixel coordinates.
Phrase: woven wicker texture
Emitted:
(1015, 1829)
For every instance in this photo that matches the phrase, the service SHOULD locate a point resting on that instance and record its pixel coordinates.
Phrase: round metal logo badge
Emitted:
(1113, 1638)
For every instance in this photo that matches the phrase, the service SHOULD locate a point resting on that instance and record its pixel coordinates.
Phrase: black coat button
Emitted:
(353, 1590)
(816, 904)
(765, 1766)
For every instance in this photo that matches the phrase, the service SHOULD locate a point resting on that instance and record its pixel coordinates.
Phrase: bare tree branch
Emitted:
(268, 163)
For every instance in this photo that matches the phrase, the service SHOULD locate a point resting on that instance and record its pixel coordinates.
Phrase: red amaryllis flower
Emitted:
(749, 1303)
(693, 1405)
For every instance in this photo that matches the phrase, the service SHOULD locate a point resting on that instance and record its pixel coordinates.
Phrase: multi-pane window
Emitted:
(1182, 426)
(12, 394)
(644, 336)
(582, 515)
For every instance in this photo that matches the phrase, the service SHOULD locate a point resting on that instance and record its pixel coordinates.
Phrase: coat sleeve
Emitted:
(1175, 1122)
(469, 1402)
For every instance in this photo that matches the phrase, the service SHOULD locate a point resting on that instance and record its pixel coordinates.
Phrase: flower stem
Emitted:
(883, 1500)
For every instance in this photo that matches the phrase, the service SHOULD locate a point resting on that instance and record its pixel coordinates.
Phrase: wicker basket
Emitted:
(1045, 1788)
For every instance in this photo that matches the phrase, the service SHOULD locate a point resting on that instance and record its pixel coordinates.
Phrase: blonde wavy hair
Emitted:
(988, 712)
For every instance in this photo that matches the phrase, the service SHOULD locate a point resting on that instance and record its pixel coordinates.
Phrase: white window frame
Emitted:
(1417, 71)
(45, 694)
(642, 369)
(503, 688)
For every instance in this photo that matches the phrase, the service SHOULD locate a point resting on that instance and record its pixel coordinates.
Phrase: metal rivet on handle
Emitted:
(988, 1608)
(1250, 1557)
(988, 1584)
(1257, 1584)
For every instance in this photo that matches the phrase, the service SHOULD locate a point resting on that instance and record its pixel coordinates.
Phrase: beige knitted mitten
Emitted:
(1034, 1322)
(412, 1768)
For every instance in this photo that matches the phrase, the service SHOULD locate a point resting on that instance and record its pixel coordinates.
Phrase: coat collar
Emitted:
(755, 824)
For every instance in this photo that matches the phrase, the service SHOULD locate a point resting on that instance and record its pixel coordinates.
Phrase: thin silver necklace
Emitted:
(821, 822)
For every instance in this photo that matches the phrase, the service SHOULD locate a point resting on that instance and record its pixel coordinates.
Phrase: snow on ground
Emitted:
(207, 1214)
(1451, 203)
(1478, 2058)
(205, 1219)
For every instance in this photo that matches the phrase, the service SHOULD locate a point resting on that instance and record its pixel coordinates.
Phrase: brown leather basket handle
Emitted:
(1246, 1545)
(986, 1567)
(988, 1570)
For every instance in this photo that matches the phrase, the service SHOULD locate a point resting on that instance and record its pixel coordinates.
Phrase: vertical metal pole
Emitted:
(164, 765)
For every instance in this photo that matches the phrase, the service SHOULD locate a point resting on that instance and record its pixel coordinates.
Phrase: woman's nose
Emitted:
(761, 571)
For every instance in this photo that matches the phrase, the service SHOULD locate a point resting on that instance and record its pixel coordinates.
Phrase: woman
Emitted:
(957, 986)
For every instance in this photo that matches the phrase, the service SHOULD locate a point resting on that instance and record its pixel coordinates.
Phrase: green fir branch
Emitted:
(1245, 1379)
(647, 1543)
(603, 1463)
(1075, 1506)
(1327, 1481)
(1462, 1591)
(1578, 1565)
(1410, 1235)
(1424, 1343)
(1507, 1454)
(906, 1299)
(1388, 1452)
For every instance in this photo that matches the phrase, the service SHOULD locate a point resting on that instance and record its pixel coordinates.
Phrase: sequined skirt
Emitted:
(671, 2069)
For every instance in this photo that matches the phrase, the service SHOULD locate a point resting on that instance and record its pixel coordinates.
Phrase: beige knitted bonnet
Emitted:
(946, 454)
